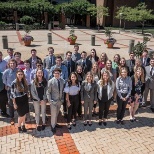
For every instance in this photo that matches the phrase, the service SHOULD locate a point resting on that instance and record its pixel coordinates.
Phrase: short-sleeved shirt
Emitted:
(72, 90)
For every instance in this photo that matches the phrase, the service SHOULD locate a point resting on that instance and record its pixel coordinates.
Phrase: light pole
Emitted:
(120, 15)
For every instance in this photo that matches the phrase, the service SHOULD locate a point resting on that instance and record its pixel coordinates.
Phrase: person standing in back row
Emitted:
(76, 55)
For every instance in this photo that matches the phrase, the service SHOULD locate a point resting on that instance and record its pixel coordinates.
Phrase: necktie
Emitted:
(68, 67)
(50, 61)
(83, 63)
(58, 85)
(151, 72)
(144, 61)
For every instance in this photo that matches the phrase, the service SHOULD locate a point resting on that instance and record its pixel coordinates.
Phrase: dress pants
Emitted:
(3, 101)
(37, 107)
(79, 110)
(88, 104)
(121, 107)
(10, 103)
(72, 109)
(55, 108)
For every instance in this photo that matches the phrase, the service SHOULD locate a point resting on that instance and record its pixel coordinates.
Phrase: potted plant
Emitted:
(110, 41)
(140, 47)
(72, 38)
(27, 39)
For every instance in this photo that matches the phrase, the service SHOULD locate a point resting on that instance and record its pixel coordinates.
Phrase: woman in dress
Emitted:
(38, 92)
(72, 98)
(102, 61)
(105, 94)
(93, 56)
(19, 95)
(123, 88)
(138, 86)
(116, 61)
(88, 96)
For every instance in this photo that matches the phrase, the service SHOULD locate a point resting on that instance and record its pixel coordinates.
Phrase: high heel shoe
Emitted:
(24, 128)
(85, 123)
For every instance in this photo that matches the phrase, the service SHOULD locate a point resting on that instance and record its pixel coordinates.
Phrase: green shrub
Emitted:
(2, 25)
(26, 20)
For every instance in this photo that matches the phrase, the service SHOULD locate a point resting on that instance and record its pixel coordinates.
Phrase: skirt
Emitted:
(22, 105)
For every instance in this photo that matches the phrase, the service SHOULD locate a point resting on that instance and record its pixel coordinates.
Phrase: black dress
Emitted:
(104, 94)
(22, 105)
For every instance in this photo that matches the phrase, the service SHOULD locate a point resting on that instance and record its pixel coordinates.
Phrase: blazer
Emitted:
(131, 66)
(35, 94)
(72, 66)
(147, 62)
(87, 67)
(149, 80)
(30, 59)
(53, 93)
(110, 90)
(47, 62)
(89, 95)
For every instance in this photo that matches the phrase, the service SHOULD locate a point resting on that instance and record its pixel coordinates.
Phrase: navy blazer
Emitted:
(30, 59)
(147, 62)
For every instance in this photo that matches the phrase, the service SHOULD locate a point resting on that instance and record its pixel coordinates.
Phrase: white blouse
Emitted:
(72, 90)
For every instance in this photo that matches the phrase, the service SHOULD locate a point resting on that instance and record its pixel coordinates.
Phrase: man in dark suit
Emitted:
(145, 59)
(49, 61)
(84, 62)
(131, 63)
(33, 59)
(69, 63)
(149, 84)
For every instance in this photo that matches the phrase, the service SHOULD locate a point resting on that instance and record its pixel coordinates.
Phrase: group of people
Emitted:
(75, 82)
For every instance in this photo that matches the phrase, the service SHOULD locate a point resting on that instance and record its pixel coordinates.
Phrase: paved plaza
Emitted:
(131, 138)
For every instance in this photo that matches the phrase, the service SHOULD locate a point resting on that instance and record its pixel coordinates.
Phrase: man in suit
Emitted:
(49, 61)
(64, 74)
(145, 59)
(84, 62)
(76, 55)
(149, 84)
(131, 63)
(33, 59)
(69, 63)
(55, 97)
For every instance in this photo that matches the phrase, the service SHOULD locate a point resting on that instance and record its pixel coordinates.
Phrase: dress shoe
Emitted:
(74, 123)
(39, 128)
(19, 130)
(152, 109)
(43, 127)
(69, 126)
(4, 115)
(53, 130)
(100, 123)
(104, 123)
(118, 121)
(24, 129)
(85, 123)
(122, 122)
(58, 126)
(90, 124)
(131, 119)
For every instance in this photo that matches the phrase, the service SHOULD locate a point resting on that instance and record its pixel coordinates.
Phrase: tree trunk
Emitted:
(143, 27)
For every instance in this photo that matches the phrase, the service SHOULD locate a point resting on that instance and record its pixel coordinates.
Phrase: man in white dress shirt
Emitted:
(10, 55)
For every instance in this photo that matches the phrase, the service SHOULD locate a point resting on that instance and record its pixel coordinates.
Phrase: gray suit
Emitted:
(49, 62)
(55, 98)
(149, 85)
(88, 97)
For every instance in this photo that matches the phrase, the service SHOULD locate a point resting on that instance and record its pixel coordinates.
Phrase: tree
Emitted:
(99, 12)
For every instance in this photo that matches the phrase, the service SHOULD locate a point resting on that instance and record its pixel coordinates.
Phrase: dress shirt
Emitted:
(9, 76)
(34, 60)
(76, 57)
(152, 69)
(72, 90)
(7, 58)
(3, 65)
(28, 75)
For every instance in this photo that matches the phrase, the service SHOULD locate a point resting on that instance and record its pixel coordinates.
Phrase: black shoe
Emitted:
(90, 124)
(74, 123)
(53, 130)
(12, 121)
(19, 130)
(143, 104)
(24, 129)
(104, 123)
(58, 126)
(122, 122)
(65, 115)
(85, 123)
(152, 109)
(39, 128)
(100, 123)
(43, 127)
(46, 119)
(4, 114)
(69, 126)
(132, 120)
(118, 121)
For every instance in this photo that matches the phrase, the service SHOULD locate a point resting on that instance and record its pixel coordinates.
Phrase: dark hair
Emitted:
(131, 53)
(83, 52)
(1, 53)
(96, 57)
(151, 59)
(17, 53)
(76, 46)
(68, 52)
(44, 81)
(33, 50)
(39, 62)
(59, 57)
(70, 81)
(9, 49)
(57, 69)
(50, 48)
(27, 61)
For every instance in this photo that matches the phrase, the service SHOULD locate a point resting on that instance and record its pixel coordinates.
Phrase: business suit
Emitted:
(70, 68)
(86, 65)
(149, 85)
(130, 63)
(48, 62)
(55, 97)
(30, 59)
(88, 96)
(145, 62)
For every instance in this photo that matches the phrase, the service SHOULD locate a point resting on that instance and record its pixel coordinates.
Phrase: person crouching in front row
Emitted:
(105, 94)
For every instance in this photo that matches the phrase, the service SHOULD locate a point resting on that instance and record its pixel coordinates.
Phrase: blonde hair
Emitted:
(89, 73)
(135, 67)
(102, 82)
(142, 74)
(92, 70)
(121, 69)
